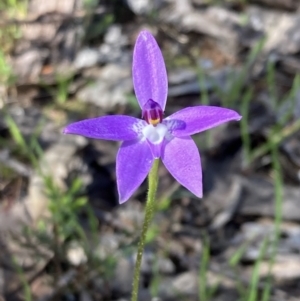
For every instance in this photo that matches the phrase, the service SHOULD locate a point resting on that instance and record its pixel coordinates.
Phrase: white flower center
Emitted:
(155, 134)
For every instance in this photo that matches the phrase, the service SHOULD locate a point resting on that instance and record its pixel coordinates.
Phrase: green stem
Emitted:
(149, 211)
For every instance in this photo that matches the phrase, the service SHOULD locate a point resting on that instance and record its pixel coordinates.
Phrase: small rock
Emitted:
(108, 244)
(110, 89)
(185, 284)
(122, 281)
(41, 287)
(85, 296)
(76, 254)
(28, 65)
(113, 54)
(86, 57)
(285, 269)
(143, 6)
(130, 216)
(165, 265)
(258, 199)
(113, 50)
(281, 29)
(280, 4)
(219, 23)
(187, 82)
(115, 37)
(181, 75)
(226, 295)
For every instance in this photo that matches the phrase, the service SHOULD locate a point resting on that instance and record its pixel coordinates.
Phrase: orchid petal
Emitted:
(181, 157)
(200, 118)
(114, 127)
(134, 161)
(148, 71)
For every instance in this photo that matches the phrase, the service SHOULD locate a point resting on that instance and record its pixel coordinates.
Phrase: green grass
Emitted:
(6, 75)
(23, 280)
(14, 8)
(253, 290)
(10, 32)
(278, 192)
(237, 82)
(240, 95)
(244, 124)
(206, 292)
(65, 207)
(62, 90)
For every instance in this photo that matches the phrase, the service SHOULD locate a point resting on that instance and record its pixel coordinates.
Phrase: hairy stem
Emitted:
(149, 211)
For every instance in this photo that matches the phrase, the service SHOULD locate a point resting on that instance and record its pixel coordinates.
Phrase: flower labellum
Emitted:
(153, 136)
(152, 112)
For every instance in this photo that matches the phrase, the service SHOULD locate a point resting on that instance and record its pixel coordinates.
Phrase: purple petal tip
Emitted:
(198, 191)
(145, 34)
(148, 71)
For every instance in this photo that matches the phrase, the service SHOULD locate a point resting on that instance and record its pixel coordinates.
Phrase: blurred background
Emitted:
(63, 234)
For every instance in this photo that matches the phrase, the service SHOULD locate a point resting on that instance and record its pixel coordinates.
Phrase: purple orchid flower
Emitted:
(153, 136)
